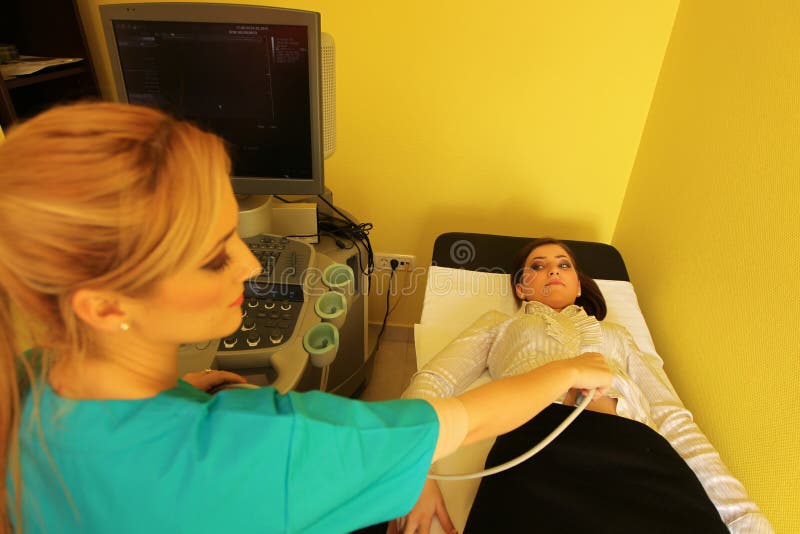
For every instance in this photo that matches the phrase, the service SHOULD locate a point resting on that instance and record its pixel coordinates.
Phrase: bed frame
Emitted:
(618, 445)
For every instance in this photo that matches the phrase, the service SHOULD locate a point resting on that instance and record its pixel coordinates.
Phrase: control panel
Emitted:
(267, 347)
(274, 299)
(279, 310)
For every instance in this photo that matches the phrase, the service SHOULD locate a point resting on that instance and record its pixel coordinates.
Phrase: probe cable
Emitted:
(521, 458)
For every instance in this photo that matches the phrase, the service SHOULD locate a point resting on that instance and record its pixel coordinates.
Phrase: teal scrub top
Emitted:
(239, 461)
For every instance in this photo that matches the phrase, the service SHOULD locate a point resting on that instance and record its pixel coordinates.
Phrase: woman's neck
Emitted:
(136, 372)
(557, 310)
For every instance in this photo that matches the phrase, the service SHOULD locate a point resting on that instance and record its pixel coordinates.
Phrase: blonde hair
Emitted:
(95, 195)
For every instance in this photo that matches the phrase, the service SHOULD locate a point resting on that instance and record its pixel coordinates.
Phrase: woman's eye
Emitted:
(536, 267)
(565, 265)
(218, 263)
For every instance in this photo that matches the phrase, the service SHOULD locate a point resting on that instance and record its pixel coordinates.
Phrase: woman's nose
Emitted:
(252, 266)
(248, 266)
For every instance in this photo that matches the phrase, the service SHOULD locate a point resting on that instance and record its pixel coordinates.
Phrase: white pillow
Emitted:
(455, 298)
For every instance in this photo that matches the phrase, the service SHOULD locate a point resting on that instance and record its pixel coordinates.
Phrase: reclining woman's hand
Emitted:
(429, 504)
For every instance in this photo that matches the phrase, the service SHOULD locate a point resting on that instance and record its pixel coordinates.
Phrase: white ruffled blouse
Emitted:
(534, 336)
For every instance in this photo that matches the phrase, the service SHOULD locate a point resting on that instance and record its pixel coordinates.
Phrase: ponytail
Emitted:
(591, 298)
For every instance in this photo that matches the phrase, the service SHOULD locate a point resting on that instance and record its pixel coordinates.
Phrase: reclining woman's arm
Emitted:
(676, 424)
(457, 365)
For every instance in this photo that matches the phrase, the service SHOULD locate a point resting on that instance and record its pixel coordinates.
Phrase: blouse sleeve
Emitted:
(673, 421)
(462, 361)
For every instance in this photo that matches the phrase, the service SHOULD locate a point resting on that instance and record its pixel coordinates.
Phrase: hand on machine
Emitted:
(213, 381)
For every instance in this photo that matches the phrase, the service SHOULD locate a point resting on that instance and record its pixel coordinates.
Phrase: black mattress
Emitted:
(496, 253)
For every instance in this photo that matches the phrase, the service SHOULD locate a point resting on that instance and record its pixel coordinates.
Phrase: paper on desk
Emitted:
(30, 64)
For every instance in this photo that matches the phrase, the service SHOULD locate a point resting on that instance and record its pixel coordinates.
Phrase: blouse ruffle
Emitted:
(569, 322)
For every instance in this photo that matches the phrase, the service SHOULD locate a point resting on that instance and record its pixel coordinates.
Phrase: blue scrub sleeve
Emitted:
(240, 461)
(353, 463)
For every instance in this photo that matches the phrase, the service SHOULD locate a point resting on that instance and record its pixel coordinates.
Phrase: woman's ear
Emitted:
(520, 289)
(101, 310)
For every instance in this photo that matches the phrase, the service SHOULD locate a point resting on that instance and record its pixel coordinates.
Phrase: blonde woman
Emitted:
(118, 244)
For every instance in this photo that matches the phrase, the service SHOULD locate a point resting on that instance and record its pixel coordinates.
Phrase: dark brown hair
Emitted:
(590, 299)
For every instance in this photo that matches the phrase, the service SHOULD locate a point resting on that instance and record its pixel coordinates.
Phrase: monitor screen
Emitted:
(250, 74)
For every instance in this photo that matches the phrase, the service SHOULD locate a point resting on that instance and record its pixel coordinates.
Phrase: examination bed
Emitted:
(469, 276)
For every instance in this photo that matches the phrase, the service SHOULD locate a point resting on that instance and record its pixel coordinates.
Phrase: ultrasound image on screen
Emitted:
(247, 83)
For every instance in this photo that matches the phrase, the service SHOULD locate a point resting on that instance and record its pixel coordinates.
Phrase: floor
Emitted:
(395, 362)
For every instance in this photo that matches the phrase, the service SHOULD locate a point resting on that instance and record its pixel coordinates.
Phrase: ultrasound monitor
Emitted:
(250, 74)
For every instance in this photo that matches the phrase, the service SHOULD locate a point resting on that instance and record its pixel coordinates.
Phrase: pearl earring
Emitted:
(124, 327)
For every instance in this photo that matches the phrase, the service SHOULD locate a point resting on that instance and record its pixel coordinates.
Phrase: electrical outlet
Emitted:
(405, 262)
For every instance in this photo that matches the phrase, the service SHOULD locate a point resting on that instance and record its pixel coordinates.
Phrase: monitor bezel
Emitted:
(243, 14)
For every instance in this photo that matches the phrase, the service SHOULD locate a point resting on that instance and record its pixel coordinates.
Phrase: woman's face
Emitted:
(549, 277)
(201, 301)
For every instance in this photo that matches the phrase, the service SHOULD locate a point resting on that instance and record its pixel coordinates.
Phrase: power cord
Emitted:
(359, 232)
(394, 264)
(342, 230)
(348, 235)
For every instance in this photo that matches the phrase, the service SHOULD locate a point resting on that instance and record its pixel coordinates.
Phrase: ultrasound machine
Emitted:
(261, 78)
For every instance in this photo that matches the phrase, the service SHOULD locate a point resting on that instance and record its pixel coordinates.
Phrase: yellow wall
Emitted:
(523, 117)
(711, 233)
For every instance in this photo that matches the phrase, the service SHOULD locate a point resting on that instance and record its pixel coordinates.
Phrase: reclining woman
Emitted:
(118, 245)
(637, 464)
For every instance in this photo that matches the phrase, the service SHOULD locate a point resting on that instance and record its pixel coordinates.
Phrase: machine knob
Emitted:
(253, 339)
(286, 305)
(276, 336)
(230, 342)
(252, 303)
(269, 304)
(248, 324)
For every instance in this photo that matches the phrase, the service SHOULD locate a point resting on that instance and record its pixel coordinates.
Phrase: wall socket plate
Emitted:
(405, 262)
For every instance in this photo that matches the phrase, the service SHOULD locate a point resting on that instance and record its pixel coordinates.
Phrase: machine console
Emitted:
(276, 312)
(274, 299)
